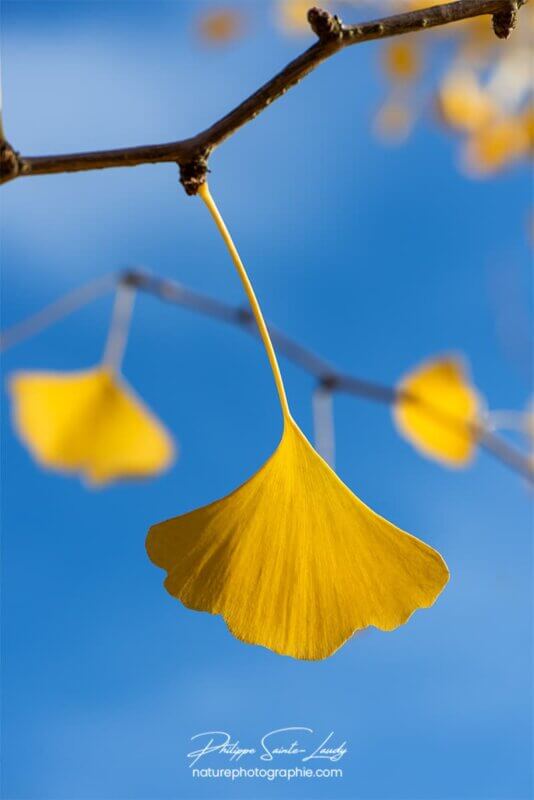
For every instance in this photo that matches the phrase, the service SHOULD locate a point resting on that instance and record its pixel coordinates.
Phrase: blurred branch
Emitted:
(333, 36)
(506, 454)
(56, 311)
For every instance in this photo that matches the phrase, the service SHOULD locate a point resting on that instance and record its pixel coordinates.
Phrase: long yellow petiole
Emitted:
(204, 193)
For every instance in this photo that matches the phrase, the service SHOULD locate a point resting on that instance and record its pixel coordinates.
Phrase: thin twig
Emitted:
(56, 311)
(503, 452)
(192, 154)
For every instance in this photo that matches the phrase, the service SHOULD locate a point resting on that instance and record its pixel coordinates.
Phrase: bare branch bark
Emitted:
(192, 154)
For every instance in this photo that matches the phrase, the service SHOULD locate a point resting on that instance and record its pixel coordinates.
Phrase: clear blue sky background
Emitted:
(376, 258)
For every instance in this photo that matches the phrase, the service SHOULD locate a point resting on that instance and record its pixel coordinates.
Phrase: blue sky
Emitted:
(374, 257)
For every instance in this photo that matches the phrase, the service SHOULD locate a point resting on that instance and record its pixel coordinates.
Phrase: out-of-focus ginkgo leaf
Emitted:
(292, 559)
(463, 104)
(496, 146)
(293, 16)
(528, 124)
(90, 423)
(438, 409)
(220, 26)
(393, 122)
(401, 60)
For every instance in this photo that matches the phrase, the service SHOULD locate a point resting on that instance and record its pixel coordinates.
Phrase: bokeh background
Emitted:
(374, 257)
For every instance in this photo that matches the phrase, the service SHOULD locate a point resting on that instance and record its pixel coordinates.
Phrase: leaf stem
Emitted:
(205, 194)
(119, 328)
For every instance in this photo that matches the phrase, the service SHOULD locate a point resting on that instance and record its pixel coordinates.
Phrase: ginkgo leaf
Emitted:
(401, 60)
(220, 26)
(293, 15)
(496, 146)
(394, 120)
(294, 561)
(437, 411)
(463, 104)
(88, 422)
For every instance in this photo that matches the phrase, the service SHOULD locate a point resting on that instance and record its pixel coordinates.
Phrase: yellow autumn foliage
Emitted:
(293, 15)
(497, 145)
(89, 423)
(437, 411)
(463, 104)
(394, 120)
(220, 26)
(401, 60)
(293, 560)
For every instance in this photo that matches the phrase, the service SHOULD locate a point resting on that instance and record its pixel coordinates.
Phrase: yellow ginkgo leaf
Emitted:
(293, 15)
(394, 121)
(292, 559)
(463, 104)
(496, 146)
(90, 423)
(401, 60)
(437, 411)
(527, 120)
(220, 26)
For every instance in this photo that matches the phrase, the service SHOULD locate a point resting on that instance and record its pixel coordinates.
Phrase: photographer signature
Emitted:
(300, 742)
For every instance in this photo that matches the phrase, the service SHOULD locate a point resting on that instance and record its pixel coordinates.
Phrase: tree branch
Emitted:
(192, 154)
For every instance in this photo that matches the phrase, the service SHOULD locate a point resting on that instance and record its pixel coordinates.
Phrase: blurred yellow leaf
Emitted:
(527, 121)
(293, 560)
(90, 423)
(415, 5)
(394, 121)
(293, 15)
(436, 410)
(478, 37)
(220, 26)
(462, 103)
(497, 145)
(401, 60)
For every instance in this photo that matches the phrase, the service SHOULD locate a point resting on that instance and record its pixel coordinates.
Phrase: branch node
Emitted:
(193, 173)
(504, 22)
(244, 315)
(325, 25)
(132, 278)
(329, 382)
(10, 164)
